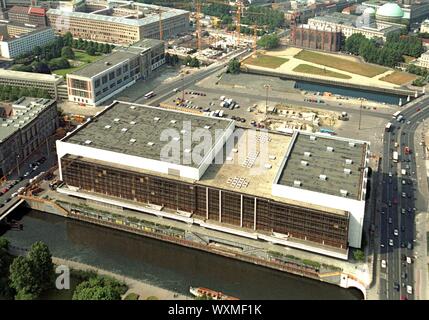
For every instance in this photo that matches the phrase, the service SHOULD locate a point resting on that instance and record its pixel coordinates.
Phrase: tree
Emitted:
(354, 42)
(41, 260)
(269, 41)
(359, 255)
(4, 244)
(67, 53)
(234, 66)
(23, 279)
(90, 50)
(99, 288)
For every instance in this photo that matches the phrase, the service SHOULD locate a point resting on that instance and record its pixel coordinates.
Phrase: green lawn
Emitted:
(360, 68)
(305, 68)
(266, 61)
(81, 57)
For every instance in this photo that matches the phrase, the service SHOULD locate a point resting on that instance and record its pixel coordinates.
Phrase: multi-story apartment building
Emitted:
(119, 22)
(52, 83)
(31, 123)
(108, 76)
(13, 44)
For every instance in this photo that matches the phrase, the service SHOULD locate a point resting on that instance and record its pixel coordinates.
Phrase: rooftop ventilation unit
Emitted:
(313, 138)
(297, 183)
(150, 144)
(234, 150)
(5, 124)
(107, 127)
(124, 130)
(176, 138)
(132, 122)
(307, 154)
(272, 157)
(304, 163)
(268, 166)
(132, 107)
(156, 119)
(229, 159)
(349, 161)
(183, 131)
(323, 177)
(347, 171)
(187, 150)
(352, 144)
(344, 193)
(16, 125)
(116, 120)
(173, 121)
(206, 127)
(330, 149)
(133, 140)
(88, 141)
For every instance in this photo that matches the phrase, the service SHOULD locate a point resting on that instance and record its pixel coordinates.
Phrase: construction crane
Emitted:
(198, 23)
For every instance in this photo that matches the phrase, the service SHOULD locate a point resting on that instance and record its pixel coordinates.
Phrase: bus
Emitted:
(149, 95)
(395, 156)
(388, 127)
(396, 114)
(329, 131)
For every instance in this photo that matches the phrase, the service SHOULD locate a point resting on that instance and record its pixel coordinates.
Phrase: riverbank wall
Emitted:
(273, 260)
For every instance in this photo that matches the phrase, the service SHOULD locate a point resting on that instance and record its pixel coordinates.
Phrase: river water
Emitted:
(349, 92)
(163, 264)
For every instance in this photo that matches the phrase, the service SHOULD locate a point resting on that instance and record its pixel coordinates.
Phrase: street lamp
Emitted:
(17, 164)
(183, 85)
(360, 112)
(267, 87)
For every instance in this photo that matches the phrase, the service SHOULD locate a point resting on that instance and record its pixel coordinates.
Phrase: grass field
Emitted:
(305, 68)
(266, 61)
(82, 57)
(408, 59)
(399, 78)
(360, 68)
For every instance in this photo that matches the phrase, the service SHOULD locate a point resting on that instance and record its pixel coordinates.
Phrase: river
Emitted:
(163, 264)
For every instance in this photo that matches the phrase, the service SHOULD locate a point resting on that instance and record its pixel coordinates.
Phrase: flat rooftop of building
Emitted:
(25, 110)
(31, 76)
(310, 160)
(96, 67)
(136, 130)
(251, 168)
(167, 13)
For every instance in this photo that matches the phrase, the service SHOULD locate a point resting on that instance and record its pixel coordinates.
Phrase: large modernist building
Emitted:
(119, 22)
(32, 121)
(30, 15)
(101, 80)
(303, 190)
(14, 43)
(52, 83)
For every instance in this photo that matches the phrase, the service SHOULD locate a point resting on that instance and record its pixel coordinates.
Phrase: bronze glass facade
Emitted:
(227, 207)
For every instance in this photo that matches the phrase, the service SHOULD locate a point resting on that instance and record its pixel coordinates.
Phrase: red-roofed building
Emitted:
(29, 15)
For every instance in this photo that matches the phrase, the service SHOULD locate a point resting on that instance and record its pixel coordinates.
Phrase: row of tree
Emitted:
(192, 62)
(171, 60)
(269, 41)
(27, 277)
(10, 93)
(389, 53)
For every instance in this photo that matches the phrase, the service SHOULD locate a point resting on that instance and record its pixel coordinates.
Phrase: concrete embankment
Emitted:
(298, 266)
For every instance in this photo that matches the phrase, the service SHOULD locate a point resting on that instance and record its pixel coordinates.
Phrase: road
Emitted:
(399, 205)
(165, 91)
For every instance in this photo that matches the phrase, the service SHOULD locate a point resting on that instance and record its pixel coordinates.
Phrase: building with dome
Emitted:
(412, 11)
(389, 12)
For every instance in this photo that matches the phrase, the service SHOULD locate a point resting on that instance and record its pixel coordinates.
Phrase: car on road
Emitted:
(390, 174)
(26, 174)
(402, 245)
(403, 211)
(403, 275)
(7, 200)
(409, 289)
(395, 201)
(383, 263)
(404, 195)
(391, 242)
(409, 260)
(409, 246)
(396, 286)
(390, 220)
(395, 232)
(389, 203)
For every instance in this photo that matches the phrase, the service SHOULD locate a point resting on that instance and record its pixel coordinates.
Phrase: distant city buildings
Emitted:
(424, 27)
(423, 60)
(406, 11)
(18, 39)
(28, 15)
(108, 76)
(302, 190)
(118, 22)
(24, 128)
